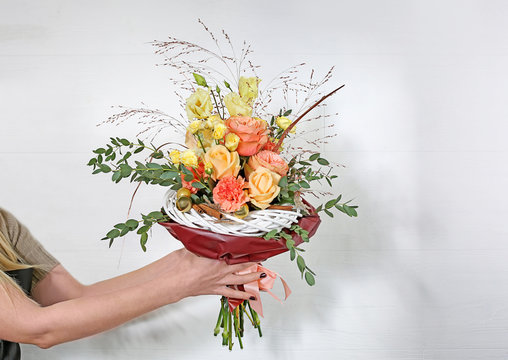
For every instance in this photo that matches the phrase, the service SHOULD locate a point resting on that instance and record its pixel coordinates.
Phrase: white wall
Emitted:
(421, 274)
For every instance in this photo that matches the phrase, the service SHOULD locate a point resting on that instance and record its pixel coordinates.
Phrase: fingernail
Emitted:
(252, 298)
(263, 275)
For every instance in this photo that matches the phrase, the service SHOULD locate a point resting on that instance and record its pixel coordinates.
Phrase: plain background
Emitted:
(421, 273)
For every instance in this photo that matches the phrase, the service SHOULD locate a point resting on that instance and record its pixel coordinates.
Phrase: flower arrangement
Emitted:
(236, 167)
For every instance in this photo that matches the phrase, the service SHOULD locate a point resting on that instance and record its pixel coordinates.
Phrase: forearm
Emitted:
(85, 316)
(133, 278)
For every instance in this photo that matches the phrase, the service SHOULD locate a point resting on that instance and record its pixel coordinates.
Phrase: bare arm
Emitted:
(22, 320)
(59, 285)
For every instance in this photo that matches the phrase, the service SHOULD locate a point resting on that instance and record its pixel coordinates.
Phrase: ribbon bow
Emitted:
(254, 287)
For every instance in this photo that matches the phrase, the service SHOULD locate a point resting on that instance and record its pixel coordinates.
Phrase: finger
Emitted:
(242, 279)
(240, 267)
(235, 294)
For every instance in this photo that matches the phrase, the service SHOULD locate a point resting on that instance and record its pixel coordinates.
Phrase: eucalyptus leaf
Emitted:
(314, 157)
(310, 278)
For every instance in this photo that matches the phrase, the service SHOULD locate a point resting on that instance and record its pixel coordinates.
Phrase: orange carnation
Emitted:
(229, 193)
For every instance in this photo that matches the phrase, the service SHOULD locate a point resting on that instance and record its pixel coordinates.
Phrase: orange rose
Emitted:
(263, 187)
(252, 132)
(224, 163)
(267, 159)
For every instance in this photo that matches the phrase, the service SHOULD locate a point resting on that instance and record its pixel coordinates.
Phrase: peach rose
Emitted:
(263, 187)
(224, 162)
(252, 132)
(267, 159)
(229, 194)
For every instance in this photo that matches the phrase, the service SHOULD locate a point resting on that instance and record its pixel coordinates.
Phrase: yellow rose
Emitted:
(236, 105)
(263, 187)
(219, 131)
(248, 88)
(195, 126)
(212, 120)
(192, 142)
(199, 105)
(283, 122)
(232, 141)
(174, 155)
(224, 163)
(189, 158)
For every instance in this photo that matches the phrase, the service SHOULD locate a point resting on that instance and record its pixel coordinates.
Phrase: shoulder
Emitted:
(11, 227)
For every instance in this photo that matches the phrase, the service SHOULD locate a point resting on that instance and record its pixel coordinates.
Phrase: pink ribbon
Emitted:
(254, 287)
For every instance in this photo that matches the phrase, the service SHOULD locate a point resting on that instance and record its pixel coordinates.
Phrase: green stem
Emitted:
(230, 332)
(217, 105)
(200, 142)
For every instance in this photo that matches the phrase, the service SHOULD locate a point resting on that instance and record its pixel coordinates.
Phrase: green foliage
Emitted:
(295, 252)
(122, 229)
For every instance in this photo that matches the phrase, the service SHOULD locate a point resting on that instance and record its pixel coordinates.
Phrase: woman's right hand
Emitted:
(196, 275)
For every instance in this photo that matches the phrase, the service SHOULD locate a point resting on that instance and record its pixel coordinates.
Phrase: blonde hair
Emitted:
(9, 260)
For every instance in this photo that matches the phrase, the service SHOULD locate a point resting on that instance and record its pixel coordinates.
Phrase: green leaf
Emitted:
(117, 175)
(125, 170)
(104, 168)
(328, 181)
(143, 240)
(92, 162)
(124, 231)
(314, 157)
(169, 175)
(138, 150)
(350, 211)
(153, 166)
(125, 142)
(304, 184)
(188, 177)
(283, 182)
(113, 234)
(132, 224)
(292, 253)
(198, 185)
(287, 112)
(305, 163)
(120, 226)
(331, 204)
(143, 229)
(156, 215)
(319, 208)
(329, 213)
(310, 278)
(301, 263)
(227, 85)
(270, 235)
(200, 80)
(217, 88)
(323, 161)
(99, 151)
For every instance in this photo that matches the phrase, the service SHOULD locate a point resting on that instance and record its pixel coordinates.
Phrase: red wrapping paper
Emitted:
(237, 249)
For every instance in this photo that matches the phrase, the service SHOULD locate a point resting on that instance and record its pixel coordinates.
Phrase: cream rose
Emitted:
(236, 105)
(263, 187)
(199, 104)
(224, 162)
(248, 88)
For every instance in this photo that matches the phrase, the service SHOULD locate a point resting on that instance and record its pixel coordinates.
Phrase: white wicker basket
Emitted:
(257, 223)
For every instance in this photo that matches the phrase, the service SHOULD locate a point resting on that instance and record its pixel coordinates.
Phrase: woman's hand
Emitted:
(196, 275)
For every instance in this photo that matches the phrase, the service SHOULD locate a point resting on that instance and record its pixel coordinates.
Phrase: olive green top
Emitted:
(26, 246)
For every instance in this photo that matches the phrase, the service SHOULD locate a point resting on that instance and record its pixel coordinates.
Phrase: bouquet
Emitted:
(237, 187)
